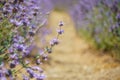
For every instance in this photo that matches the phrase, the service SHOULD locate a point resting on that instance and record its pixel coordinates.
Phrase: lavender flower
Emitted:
(12, 64)
(40, 77)
(30, 72)
(25, 77)
(24, 20)
(54, 42)
(61, 24)
(60, 31)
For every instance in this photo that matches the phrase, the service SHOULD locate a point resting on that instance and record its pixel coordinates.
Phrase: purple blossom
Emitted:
(38, 61)
(9, 72)
(20, 47)
(12, 64)
(54, 42)
(36, 68)
(45, 57)
(61, 23)
(14, 56)
(60, 31)
(26, 77)
(40, 77)
(31, 32)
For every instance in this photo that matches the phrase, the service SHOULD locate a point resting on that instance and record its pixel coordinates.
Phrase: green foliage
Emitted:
(5, 35)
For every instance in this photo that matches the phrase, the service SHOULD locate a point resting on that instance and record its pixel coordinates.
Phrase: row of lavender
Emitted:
(96, 20)
(99, 20)
(20, 20)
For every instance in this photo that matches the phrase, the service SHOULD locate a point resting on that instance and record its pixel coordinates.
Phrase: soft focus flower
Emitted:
(61, 23)
(54, 42)
(60, 31)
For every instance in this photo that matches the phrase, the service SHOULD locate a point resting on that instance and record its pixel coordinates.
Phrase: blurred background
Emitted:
(89, 49)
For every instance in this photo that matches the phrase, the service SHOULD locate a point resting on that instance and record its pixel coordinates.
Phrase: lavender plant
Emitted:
(20, 20)
(99, 22)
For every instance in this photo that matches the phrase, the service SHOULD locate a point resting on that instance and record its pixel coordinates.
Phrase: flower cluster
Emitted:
(22, 19)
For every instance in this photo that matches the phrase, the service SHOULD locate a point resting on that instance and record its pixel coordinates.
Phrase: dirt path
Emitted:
(73, 58)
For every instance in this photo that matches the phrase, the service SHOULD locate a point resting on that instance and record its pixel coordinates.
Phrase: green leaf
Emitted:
(1, 60)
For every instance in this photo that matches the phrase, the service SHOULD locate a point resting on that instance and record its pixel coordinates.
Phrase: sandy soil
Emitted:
(74, 59)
